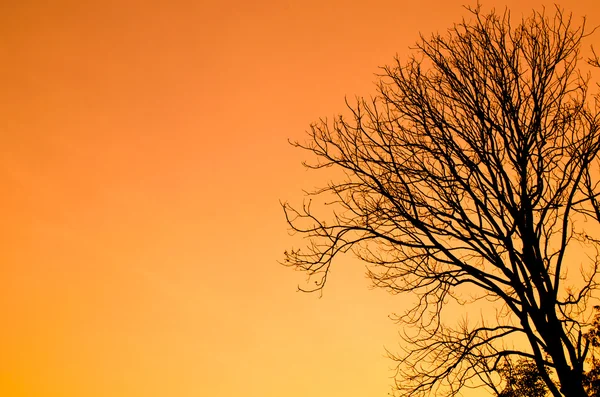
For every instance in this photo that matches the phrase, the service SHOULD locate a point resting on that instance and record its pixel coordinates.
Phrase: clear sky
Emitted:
(143, 152)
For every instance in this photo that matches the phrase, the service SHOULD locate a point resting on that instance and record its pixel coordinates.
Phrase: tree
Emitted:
(591, 380)
(522, 380)
(471, 178)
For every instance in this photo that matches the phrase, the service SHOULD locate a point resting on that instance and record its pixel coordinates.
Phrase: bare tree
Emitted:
(472, 176)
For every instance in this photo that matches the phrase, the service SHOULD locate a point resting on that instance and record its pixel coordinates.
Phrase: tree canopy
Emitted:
(472, 176)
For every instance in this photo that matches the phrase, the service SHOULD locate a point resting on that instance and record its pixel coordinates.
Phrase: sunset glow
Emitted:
(144, 154)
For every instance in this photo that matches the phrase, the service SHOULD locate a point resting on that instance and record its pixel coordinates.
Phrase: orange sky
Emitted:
(143, 156)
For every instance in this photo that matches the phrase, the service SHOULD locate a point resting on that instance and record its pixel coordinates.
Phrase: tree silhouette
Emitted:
(522, 380)
(471, 177)
(591, 380)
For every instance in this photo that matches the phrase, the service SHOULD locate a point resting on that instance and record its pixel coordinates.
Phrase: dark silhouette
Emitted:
(523, 378)
(470, 178)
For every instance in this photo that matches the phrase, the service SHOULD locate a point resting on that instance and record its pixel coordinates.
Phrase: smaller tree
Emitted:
(523, 379)
(591, 380)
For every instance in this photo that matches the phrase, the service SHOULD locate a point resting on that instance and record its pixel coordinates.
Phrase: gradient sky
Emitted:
(144, 151)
